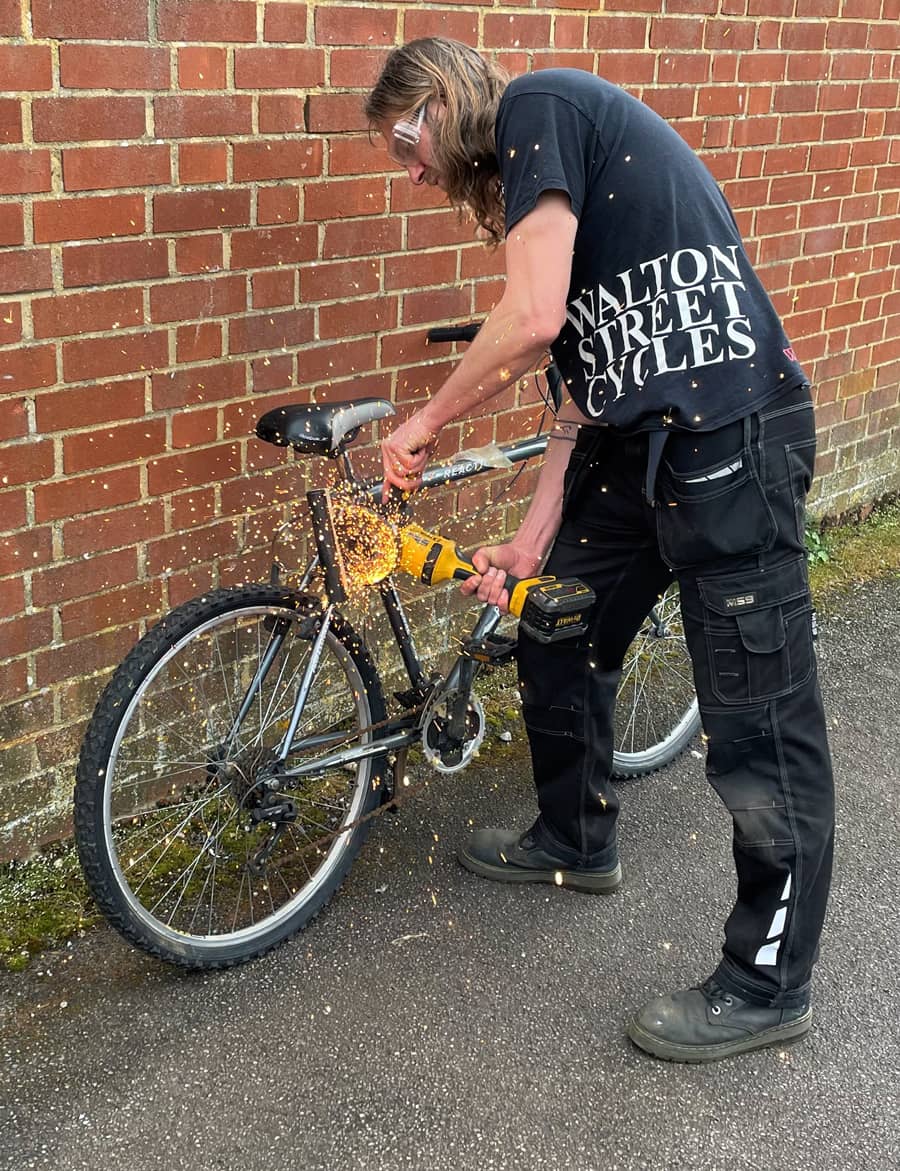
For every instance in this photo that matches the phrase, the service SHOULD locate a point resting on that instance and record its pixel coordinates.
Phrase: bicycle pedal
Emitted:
(493, 651)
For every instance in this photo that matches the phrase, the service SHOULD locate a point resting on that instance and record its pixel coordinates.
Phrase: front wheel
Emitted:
(193, 845)
(657, 714)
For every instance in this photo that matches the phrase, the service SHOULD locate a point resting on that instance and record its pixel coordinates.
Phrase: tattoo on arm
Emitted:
(567, 432)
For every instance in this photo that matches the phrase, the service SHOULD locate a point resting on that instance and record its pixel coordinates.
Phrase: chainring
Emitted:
(442, 753)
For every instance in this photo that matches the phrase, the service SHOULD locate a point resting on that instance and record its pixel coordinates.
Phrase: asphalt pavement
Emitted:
(430, 1019)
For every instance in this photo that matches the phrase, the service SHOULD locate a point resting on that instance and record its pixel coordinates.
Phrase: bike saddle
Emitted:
(320, 429)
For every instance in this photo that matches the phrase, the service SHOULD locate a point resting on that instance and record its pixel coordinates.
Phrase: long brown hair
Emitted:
(464, 146)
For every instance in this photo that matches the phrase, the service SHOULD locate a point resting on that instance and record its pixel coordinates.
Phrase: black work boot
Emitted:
(508, 856)
(706, 1023)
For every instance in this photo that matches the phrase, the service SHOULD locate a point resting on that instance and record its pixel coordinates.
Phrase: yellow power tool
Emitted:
(548, 608)
(360, 546)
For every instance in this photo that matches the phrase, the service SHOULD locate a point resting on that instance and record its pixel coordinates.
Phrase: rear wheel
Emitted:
(657, 714)
(192, 844)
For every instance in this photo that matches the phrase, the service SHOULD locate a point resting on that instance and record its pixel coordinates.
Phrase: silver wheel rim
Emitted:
(246, 936)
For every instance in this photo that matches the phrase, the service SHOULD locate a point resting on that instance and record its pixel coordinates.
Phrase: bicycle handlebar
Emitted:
(453, 333)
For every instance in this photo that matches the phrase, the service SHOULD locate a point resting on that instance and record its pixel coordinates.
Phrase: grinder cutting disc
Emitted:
(368, 541)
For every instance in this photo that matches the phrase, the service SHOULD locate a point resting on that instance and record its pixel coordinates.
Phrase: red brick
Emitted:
(334, 112)
(10, 18)
(271, 289)
(356, 155)
(362, 238)
(27, 368)
(347, 25)
(25, 549)
(318, 363)
(56, 499)
(202, 67)
(84, 119)
(444, 227)
(12, 224)
(271, 373)
(678, 33)
(345, 319)
(270, 331)
(205, 544)
(84, 656)
(203, 162)
(195, 254)
(110, 20)
(25, 67)
(94, 168)
(188, 211)
(106, 357)
(63, 316)
(345, 278)
(28, 462)
(112, 263)
(111, 608)
(198, 342)
(502, 31)
(285, 22)
(95, 217)
(266, 247)
(277, 159)
(13, 419)
(181, 388)
(113, 67)
(187, 469)
(278, 68)
(25, 171)
(26, 634)
(684, 69)
(82, 406)
(207, 20)
(278, 205)
(406, 196)
(352, 67)
(125, 442)
(341, 198)
(437, 305)
(10, 323)
(195, 429)
(182, 300)
(10, 120)
(112, 529)
(23, 271)
(618, 32)
(12, 598)
(281, 113)
(193, 116)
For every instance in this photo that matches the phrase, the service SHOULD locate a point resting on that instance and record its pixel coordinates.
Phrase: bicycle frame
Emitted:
(405, 729)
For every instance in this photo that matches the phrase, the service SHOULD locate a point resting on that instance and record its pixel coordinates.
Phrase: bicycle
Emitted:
(236, 760)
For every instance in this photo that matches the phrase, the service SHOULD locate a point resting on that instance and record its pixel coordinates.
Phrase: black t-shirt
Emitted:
(667, 325)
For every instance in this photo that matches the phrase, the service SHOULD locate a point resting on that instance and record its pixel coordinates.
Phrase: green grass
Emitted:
(43, 901)
(852, 553)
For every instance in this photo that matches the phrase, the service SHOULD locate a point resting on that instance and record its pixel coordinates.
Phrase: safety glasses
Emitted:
(409, 130)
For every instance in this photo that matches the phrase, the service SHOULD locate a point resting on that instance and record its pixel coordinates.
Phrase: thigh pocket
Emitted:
(712, 512)
(801, 459)
(564, 722)
(758, 633)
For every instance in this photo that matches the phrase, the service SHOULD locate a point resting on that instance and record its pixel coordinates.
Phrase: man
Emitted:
(686, 451)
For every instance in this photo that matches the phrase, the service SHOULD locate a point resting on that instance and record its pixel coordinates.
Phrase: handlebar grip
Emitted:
(453, 333)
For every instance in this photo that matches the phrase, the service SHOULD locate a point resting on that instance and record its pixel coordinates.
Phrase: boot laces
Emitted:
(716, 995)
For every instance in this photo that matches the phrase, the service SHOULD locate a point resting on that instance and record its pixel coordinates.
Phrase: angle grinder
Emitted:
(362, 545)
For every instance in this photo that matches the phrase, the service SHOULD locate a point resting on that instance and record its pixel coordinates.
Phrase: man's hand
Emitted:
(494, 563)
(405, 453)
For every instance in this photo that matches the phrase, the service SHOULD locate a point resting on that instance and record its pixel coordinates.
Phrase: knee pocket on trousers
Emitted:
(564, 722)
(758, 633)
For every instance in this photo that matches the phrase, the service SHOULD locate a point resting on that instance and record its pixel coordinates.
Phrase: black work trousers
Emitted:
(723, 512)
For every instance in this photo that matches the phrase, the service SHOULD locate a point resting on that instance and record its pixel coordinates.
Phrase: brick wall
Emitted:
(193, 227)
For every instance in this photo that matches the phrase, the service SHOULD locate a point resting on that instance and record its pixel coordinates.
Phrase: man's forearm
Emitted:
(541, 524)
(505, 348)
